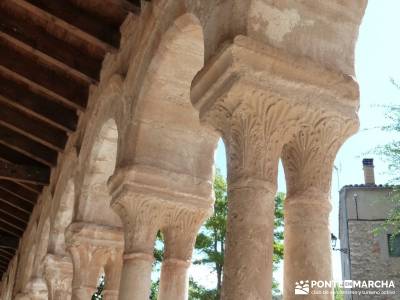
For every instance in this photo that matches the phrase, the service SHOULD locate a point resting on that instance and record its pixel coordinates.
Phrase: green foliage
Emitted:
(278, 237)
(391, 153)
(392, 223)
(197, 292)
(338, 291)
(154, 290)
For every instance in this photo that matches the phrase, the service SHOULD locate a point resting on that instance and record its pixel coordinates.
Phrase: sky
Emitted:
(377, 57)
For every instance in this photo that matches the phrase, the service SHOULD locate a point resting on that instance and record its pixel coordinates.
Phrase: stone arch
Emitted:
(168, 135)
(63, 217)
(93, 205)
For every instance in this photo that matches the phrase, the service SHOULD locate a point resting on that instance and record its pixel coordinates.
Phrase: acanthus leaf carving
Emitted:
(309, 156)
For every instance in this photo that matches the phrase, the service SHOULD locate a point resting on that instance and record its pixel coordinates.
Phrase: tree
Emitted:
(391, 153)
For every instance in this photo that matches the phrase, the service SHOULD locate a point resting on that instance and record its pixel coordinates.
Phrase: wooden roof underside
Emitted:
(50, 53)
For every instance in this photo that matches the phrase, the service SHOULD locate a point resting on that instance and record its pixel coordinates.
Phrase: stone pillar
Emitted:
(179, 239)
(148, 200)
(308, 160)
(112, 271)
(58, 272)
(91, 247)
(253, 121)
(256, 96)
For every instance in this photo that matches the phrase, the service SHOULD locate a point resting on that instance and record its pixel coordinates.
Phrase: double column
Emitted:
(258, 97)
(149, 200)
(94, 248)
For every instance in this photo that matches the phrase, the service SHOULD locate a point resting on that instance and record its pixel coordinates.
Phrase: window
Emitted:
(394, 245)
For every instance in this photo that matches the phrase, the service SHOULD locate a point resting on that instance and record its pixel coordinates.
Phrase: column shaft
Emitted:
(136, 276)
(307, 252)
(174, 281)
(308, 161)
(249, 243)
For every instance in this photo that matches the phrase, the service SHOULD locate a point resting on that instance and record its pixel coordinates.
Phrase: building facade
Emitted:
(273, 79)
(368, 251)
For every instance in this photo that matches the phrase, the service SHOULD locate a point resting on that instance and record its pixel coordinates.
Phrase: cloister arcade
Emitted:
(273, 79)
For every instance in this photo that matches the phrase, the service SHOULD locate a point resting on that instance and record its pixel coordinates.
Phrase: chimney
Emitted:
(368, 167)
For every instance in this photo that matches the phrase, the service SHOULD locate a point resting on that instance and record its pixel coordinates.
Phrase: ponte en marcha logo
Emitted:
(359, 287)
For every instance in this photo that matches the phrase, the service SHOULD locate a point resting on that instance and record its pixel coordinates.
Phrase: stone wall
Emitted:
(369, 256)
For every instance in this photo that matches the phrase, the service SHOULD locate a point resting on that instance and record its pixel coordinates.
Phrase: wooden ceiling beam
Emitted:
(19, 204)
(53, 79)
(49, 61)
(10, 229)
(16, 26)
(10, 155)
(7, 252)
(111, 11)
(32, 187)
(40, 90)
(13, 222)
(52, 13)
(4, 257)
(26, 146)
(18, 191)
(3, 265)
(81, 19)
(14, 212)
(27, 174)
(32, 128)
(19, 95)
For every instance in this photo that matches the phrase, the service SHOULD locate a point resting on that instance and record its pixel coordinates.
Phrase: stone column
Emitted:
(58, 272)
(308, 160)
(254, 121)
(256, 96)
(112, 271)
(90, 246)
(179, 239)
(148, 200)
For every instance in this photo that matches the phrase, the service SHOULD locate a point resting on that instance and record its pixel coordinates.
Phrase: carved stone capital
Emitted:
(58, 272)
(309, 155)
(92, 247)
(148, 199)
(257, 96)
